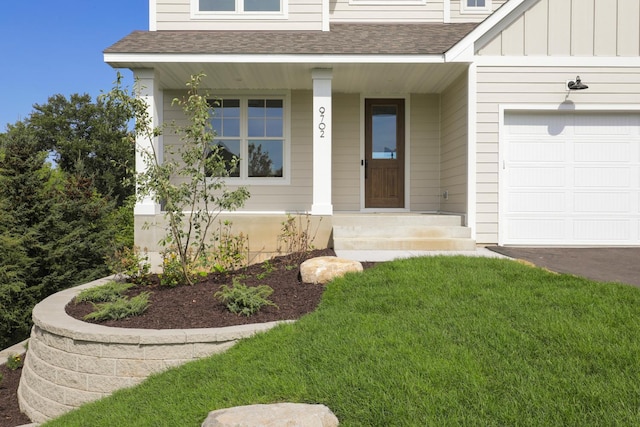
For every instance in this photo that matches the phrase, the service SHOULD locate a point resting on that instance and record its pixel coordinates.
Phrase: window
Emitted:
(475, 6)
(251, 129)
(240, 6)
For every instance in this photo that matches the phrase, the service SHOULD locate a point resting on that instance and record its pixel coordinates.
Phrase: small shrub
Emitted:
(296, 238)
(120, 308)
(267, 268)
(173, 273)
(14, 361)
(1, 377)
(244, 300)
(110, 291)
(131, 263)
(230, 250)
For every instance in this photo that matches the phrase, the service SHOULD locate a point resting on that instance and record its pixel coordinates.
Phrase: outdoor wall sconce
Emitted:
(577, 84)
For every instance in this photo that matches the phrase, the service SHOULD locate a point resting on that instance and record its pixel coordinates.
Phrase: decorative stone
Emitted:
(275, 415)
(322, 270)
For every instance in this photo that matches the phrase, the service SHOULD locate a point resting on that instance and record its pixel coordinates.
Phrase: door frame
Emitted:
(407, 150)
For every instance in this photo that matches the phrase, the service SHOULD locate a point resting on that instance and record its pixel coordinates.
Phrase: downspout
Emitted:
(472, 108)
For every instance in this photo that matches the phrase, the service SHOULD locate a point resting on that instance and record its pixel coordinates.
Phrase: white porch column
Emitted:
(147, 84)
(322, 131)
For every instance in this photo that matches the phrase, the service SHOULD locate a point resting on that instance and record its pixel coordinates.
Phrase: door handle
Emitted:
(365, 163)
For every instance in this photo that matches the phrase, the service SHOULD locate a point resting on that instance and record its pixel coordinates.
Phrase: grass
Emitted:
(420, 342)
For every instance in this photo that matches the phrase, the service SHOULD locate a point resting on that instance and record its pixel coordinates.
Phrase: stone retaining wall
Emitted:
(70, 362)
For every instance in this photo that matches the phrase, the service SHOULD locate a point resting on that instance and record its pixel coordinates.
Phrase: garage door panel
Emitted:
(537, 151)
(602, 230)
(570, 178)
(527, 202)
(533, 177)
(594, 202)
(602, 151)
(595, 177)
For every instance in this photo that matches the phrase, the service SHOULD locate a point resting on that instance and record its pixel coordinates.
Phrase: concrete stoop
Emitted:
(418, 232)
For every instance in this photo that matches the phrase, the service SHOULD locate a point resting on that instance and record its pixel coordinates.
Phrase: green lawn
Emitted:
(426, 341)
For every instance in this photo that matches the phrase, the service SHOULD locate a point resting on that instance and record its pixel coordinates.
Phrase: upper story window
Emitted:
(475, 6)
(238, 9)
(251, 133)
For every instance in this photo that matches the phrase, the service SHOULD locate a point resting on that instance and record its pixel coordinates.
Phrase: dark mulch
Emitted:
(195, 307)
(10, 415)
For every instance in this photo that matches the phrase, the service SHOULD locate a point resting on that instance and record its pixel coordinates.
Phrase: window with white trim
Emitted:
(252, 130)
(241, 6)
(475, 6)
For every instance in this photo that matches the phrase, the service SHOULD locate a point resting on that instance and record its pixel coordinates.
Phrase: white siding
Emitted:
(363, 11)
(424, 152)
(608, 86)
(454, 152)
(346, 152)
(606, 28)
(176, 15)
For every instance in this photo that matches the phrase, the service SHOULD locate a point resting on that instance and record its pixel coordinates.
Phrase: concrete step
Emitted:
(379, 220)
(409, 244)
(401, 231)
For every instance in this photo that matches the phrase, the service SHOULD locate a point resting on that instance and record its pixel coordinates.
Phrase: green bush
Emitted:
(120, 308)
(14, 361)
(245, 300)
(108, 292)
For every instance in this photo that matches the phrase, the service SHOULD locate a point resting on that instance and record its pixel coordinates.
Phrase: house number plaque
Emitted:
(322, 125)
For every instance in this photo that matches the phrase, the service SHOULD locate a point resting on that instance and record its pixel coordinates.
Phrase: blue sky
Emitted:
(50, 47)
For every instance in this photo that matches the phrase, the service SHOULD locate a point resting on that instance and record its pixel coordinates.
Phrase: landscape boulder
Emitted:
(275, 415)
(322, 270)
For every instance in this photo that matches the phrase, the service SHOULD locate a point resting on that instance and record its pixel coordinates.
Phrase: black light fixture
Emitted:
(577, 84)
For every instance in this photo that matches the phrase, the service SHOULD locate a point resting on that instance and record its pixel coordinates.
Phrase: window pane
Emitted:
(256, 108)
(262, 5)
(265, 158)
(231, 127)
(384, 132)
(274, 108)
(226, 117)
(218, 5)
(256, 127)
(274, 128)
(226, 151)
(231, 107)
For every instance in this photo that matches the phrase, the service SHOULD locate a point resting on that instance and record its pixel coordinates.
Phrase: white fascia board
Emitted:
(153, 25)
(116, 59)
(493, 22)
(558, 61)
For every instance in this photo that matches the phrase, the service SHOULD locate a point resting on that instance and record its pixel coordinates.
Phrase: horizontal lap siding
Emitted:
(503, 85)
(176, 15)
(454, 151)
(424, 152)
(346, 152)
(344, 11)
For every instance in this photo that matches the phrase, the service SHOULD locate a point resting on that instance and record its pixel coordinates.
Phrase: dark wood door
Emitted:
(384, 153)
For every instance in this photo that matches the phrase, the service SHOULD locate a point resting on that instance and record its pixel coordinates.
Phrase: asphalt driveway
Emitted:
(602, 264)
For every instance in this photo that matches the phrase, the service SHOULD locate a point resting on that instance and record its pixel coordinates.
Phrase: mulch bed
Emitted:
(185, 307)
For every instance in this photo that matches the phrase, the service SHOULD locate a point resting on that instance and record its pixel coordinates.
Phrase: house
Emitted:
(451, 121)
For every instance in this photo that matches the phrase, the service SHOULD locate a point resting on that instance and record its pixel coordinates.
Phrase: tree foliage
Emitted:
(59, 221)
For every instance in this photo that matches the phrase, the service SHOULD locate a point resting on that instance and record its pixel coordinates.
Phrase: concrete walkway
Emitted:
(381, 255)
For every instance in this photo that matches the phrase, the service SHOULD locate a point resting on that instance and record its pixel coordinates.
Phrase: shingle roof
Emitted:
(343, 39)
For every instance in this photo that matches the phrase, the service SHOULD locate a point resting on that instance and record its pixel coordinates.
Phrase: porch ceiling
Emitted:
(347, 77)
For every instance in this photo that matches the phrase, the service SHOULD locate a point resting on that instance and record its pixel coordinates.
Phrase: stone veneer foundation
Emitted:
(70, 362)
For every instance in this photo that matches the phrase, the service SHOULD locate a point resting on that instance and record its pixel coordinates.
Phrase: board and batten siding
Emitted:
(345, 153)
(390, 11)
(453, 146)
(613, 88)
(176, 15)
(606, 28)
(293, 197)
(424, 152)
(458, 15)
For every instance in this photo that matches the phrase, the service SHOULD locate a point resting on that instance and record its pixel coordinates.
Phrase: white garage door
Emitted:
(570, 179)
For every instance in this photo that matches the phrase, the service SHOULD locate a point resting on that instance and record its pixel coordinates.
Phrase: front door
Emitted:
(384, 153)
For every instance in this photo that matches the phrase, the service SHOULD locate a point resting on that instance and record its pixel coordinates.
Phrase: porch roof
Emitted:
(342, 39)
